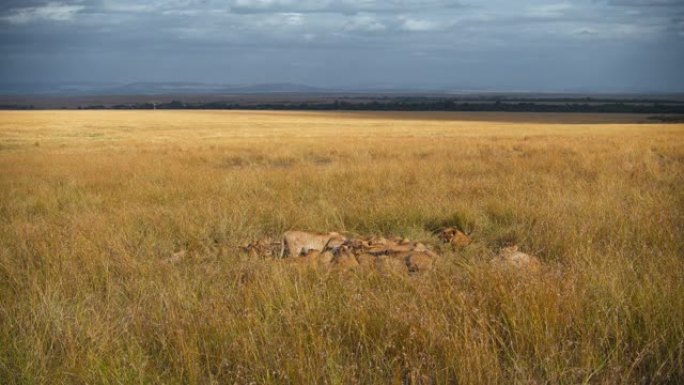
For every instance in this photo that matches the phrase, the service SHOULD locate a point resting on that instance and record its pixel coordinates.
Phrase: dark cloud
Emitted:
(527, 44)
(647, 3)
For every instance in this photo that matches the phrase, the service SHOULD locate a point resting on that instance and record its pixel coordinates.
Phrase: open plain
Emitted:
(120, 258)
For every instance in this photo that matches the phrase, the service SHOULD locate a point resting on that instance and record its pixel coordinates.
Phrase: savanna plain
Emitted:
(93, 204)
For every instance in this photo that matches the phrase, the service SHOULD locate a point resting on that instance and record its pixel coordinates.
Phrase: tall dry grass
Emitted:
(92, 203)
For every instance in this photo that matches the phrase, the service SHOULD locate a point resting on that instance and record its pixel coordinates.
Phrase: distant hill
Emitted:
(153, 88)
(289, 96)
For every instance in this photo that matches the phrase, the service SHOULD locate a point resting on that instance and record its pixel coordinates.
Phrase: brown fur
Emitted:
(326, 258)
(260, 248)
(419, 261)
(401, 248)
(298, 242)
(309, 259)
(390, 266)
(454, 237)
(345, 259)
(365, 260)
(312, 259)
(510, 256)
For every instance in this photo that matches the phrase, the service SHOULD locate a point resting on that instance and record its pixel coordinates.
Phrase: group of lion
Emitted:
(337, 251)
(388, 255)
(334, 250)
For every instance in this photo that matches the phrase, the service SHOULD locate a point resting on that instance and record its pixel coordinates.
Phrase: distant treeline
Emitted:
(15, 107)
(640, 107)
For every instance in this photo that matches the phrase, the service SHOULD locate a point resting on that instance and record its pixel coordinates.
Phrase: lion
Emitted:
(404, 248)
(454, 237)
(365, 260)
(419, 261)
(308, 259)
(511, 256)
(326, 258)
(387, 265)
(298, 242)
(345, 259)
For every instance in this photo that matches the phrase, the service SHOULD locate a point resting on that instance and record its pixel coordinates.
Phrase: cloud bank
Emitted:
(592, 45)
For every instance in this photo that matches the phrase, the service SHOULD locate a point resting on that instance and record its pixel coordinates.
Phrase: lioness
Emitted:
(365, 260)
(418, 261)
(454, 237)
(298, 242)
(345, 259)
(389, 266)
(511, 256)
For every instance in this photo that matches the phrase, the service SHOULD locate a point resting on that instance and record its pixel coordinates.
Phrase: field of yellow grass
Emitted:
(92, 204)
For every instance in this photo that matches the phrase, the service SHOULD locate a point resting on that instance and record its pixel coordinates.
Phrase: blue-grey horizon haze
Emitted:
(523, 45)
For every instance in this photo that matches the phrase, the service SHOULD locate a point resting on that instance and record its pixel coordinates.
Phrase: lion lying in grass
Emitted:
(300, 242)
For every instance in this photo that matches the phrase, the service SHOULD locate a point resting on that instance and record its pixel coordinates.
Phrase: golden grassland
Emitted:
(93, 203)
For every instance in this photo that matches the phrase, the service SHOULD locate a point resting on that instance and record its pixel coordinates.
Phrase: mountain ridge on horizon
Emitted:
(187, 87)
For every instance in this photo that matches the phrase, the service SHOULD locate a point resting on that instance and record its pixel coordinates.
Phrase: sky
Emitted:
(504, 45)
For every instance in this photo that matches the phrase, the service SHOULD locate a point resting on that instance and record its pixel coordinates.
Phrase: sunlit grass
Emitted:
(92, 203)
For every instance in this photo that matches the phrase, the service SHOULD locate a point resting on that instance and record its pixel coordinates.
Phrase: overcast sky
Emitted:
(536, 45)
